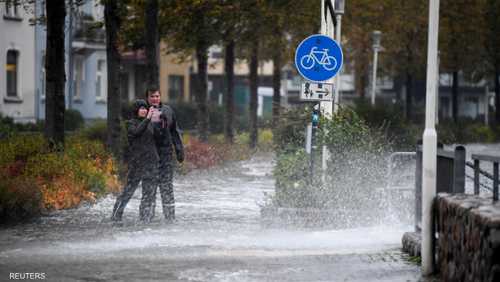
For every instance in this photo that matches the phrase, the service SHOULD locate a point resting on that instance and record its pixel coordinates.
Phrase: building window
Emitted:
(12, 8)
(175, 87)
(78, 77)
(100, 82)
(12, 73)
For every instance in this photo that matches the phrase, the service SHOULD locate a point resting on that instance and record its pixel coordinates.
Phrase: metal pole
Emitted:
(326, 29)
(374, 72)
(418, 187)
(337, 78)
(326, 108)
(430, 143)
(476, 177)
(314, 125)
(495, 181)
(459, 170)
(437, 88)
(308, 138)
(486, 106)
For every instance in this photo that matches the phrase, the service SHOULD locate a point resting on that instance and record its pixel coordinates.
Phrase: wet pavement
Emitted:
(218, 236)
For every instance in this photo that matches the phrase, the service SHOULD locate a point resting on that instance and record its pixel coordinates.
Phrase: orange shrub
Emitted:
(64, 192)
(34, 178)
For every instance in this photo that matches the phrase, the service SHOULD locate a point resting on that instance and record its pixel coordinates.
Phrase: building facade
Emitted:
(17, 57)
(85, 61)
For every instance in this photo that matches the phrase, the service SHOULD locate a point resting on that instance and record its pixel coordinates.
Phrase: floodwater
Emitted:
(218, 236)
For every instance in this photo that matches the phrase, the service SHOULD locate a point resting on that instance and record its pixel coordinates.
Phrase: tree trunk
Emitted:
(361, 81)
(276, 87)
(152, 41)
(497, 94)
(56, 77)
(409, 96)
(454, 95)
(254, 61)
(229, 97)
(112, 22)
(201, 91)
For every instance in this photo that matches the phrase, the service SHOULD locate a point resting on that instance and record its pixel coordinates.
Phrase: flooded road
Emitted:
(218, 236)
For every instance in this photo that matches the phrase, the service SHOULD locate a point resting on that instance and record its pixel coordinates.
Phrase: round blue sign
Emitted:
(318, 58)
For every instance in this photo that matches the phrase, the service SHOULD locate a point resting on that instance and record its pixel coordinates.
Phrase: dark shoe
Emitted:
(169, 220)
(117, 224)
(116, 218)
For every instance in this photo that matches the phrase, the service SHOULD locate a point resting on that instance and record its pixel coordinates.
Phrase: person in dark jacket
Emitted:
(167, 139)
(142, 165)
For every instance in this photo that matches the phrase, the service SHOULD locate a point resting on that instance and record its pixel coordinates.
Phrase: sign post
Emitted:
(318, 59)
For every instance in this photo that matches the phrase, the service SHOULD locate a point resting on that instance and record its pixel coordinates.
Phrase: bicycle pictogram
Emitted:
(322, 58)
(318, 58)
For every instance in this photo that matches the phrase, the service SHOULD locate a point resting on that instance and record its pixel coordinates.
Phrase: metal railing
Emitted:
(478, 171)
(390, 168)
(450, 175)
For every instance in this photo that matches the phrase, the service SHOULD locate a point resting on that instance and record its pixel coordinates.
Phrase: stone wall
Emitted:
(468, 244)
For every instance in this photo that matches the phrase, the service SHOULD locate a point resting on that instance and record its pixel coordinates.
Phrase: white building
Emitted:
(85, 61)
(17, 63)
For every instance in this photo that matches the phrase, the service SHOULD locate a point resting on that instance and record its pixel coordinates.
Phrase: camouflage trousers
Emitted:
(165, 179)
(149, 177)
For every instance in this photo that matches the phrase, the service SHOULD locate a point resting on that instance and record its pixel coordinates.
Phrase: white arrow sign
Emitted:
(316, 91)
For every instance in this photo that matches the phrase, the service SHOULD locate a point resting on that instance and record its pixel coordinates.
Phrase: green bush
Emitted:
(8, 127)
(389, 119)
(98, 130)
(22, 147)
(186, 115)
(73, 120)
(465, 131)
(357, 165)
(290, 132)
(293, 186)
(216, 114)
(20, 198)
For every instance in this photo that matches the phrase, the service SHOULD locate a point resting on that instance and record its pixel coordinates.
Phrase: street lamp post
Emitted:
(429, 160)
(339, 11)
(376, 36)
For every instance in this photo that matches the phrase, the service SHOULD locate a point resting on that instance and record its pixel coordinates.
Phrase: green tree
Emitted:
(229, 16)
(361, 18)
(284, 25)
(491, 43)
(457, 44)
(404, 39)
(191, 26)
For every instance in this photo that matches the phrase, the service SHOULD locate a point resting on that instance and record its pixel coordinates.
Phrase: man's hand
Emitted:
(156, 115)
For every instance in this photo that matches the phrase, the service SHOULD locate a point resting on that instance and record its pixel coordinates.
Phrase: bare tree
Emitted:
(56, 77)
(112, 19)
(229, 97)
(152, 41)
(254, 83)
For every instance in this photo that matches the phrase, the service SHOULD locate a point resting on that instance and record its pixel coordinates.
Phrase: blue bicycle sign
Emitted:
(318, 58)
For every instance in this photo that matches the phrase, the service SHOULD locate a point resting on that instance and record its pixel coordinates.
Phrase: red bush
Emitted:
(201, 155)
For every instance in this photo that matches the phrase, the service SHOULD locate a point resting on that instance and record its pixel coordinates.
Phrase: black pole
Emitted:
(314, 122)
